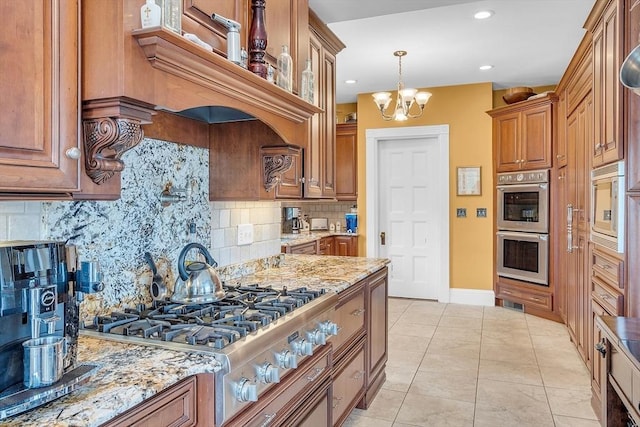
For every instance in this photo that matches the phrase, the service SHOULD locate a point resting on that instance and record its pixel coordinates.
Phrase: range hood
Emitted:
(129, 74)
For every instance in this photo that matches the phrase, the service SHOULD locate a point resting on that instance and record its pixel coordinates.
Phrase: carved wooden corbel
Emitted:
(111, 126)
(105, 141)
(273, 166)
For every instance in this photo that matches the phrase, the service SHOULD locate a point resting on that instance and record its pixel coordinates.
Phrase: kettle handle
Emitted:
(182, 269)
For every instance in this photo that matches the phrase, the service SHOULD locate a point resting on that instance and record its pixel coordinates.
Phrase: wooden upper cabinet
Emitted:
(320, 173)
(347, 161)
(39, 86)
(607, 58)
(522, 135)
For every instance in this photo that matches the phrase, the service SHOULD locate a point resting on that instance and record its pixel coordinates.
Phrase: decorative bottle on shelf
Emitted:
(150, 14)
(172, 15)
(306, 86)
(257, 39)
(284, 78)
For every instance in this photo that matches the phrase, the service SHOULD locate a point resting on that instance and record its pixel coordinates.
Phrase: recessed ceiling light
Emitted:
(486, 67)
(351, 81)
(483, 14)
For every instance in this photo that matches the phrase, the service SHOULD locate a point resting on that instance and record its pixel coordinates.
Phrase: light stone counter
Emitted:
(129, 374)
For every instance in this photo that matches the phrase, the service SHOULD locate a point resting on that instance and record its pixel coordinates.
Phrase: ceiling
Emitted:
(528, 42)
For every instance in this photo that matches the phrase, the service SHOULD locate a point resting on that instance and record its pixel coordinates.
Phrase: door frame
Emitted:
(373, 138)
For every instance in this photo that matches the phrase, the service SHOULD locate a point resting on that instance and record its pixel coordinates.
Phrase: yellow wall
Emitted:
(463, 108)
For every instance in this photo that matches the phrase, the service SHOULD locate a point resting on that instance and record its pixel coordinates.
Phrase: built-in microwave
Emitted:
(607, 206)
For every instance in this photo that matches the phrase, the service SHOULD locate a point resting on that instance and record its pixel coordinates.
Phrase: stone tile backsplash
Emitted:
(333, 211)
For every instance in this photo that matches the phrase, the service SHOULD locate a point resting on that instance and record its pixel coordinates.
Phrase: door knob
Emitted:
(382, 238)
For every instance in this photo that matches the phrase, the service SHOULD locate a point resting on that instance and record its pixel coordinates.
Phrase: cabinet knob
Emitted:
(73, 153)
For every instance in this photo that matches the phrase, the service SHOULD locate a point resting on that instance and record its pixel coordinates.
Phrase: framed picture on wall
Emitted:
(469, 182)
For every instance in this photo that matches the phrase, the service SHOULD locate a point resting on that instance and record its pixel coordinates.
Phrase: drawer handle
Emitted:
(604, 296)
(358, 375)
(268, 419)
(336, 401)
(602, 349)
(357, 312)
(536, 299)
(603, 266)
(312, 378)
(506, 292)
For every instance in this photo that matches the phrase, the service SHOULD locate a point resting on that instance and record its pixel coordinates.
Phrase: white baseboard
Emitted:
(472, 297)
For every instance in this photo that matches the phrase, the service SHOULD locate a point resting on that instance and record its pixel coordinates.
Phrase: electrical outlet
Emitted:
(245, 234)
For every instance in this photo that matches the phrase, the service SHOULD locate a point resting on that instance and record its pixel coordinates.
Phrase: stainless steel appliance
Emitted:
(259, 335)
(291, 220)
(38, 319)
(607, 206)
(523, 201)
(319, 224)
(523, 256)
(523, 222)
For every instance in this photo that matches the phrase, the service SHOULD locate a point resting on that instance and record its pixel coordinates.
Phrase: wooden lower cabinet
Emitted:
(309, 248)
(329, 245)
(188, 403)
(345, 246)
(348, 383)
(377, 345)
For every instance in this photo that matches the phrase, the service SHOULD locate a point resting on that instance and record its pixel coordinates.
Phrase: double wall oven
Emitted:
(523, 226)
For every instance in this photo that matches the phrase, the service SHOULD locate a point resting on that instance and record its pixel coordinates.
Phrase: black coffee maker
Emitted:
(39, 298)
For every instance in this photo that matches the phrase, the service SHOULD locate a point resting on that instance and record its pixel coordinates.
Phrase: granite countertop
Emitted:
(310, 236)
(336, 273)
(127, 374)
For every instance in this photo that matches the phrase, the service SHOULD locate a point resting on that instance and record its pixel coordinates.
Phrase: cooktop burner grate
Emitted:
(244, 309)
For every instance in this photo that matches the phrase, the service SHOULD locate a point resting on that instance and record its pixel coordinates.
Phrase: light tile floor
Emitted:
(460, 365)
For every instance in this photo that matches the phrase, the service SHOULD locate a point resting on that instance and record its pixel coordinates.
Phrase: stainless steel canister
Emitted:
(43, 361)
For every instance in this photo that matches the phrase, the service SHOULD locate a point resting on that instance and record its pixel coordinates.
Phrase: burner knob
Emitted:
(268, 373)
(316, 337)
(246, 392)
(302, 347)
(287, 359)
(329, 328)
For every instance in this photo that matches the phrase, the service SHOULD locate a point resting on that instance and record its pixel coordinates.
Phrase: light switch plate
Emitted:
(245, 234)
(461, 212)
(481, 212)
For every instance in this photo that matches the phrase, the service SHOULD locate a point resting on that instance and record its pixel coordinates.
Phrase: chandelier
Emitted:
(406, 99)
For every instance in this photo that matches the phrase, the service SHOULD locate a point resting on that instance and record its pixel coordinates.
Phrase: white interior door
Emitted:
(411, 195)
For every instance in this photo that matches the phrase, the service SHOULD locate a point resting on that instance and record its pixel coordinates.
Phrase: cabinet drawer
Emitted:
(348, 383)
(607, 268)
(175, 407)
(607, 297)
(304, 248)
(622, 372)
(350, 318)
(524, 296)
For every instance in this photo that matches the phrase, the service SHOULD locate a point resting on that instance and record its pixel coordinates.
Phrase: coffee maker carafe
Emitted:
(39, 324)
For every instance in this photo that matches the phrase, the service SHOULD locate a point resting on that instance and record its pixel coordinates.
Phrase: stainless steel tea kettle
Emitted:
(198, 282)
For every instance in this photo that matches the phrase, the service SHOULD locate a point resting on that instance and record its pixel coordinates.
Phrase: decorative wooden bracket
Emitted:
(272, 167)
(111, 128)
(105, 141)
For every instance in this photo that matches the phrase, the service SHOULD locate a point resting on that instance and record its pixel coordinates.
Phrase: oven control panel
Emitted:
(529, 177)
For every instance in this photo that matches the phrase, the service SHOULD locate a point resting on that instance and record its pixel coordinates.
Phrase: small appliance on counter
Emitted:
(291, 220)
(352, 222)
(319, 224)
(39, 322)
